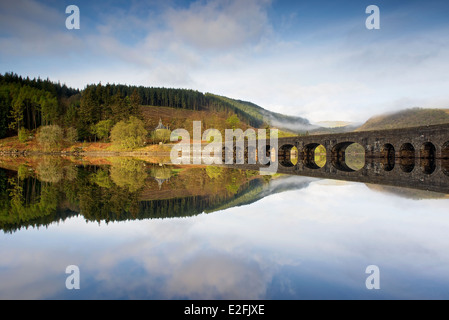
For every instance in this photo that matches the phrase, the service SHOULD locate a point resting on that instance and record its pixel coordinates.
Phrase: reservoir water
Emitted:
(142, 230)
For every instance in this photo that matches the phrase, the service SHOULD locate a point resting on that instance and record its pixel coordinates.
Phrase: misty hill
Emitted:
(265, 117)
(407, 118)
(331, 130)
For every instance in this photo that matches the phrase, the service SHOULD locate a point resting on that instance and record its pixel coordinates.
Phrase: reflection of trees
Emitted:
(128, 173)
(26, 200)
(234, 180)
(102, 179)
(49, 171)
(161, 173)
(53, 170)
(214, 172)
(106, 204)
(100, 194)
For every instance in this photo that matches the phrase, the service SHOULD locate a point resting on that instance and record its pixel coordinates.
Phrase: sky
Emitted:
(313, 59)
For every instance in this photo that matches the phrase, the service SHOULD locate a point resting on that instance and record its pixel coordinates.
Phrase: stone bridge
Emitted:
(410, 157)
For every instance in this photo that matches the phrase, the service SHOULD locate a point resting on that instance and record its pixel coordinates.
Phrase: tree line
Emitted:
(28, 104)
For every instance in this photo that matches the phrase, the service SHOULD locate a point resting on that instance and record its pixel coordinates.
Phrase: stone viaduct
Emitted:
(415, 157)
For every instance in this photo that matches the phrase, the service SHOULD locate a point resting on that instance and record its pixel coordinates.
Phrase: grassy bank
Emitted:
(13, 145)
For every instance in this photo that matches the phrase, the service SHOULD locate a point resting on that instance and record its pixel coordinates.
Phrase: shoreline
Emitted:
(13, 148)
(27, 153)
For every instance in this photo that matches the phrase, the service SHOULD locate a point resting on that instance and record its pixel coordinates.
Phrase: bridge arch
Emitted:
(338, 156)
(388, 156)
(270, 155)
(309, 159)
(428, 150)
(407, 151)
(427, 156)
(407, 157)
(287, 155)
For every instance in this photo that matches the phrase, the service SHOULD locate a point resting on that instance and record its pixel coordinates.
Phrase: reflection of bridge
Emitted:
(411, 157)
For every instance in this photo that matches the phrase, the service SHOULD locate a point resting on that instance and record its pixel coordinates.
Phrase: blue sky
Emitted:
(314, 59)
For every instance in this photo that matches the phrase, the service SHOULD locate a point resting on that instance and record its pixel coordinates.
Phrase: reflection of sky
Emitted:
(310, 243)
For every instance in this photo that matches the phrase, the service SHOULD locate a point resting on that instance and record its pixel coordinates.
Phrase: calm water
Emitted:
(143, 231)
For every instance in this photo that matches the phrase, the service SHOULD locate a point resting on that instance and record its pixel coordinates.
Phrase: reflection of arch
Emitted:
(270, 154)
(427, 157)
(388, 156)
(339, 156)
(428, 150)
(309, 156)
(407, 151)
(268, 151)
(407, 164)
(407, 157)
(268, 157)
(285, 155)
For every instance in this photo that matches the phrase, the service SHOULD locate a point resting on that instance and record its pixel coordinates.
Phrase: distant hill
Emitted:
(331, 130)
(277, 120)
(334, 124)
(407, 118)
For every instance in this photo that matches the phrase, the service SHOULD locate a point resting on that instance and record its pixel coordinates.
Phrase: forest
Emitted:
(27, 105)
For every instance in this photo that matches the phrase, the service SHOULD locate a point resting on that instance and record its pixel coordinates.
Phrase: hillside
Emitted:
(406, 118)
(27, 105)
(266, 117)
(183, 119)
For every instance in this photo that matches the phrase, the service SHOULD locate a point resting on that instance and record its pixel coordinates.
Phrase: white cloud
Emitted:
(34, 29)
(230, 48)
(220, 24)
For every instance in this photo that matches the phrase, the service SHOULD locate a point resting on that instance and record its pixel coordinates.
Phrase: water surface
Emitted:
(138, 230)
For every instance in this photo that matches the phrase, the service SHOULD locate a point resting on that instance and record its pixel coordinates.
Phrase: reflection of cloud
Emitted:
(33, 273)
(320, 236)
(218, 276)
